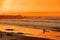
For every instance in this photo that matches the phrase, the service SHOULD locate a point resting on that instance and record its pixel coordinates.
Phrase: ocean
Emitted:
(32, 23)
(33, 26)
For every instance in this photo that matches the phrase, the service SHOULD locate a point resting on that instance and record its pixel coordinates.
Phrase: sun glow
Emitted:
(14, 6)
(6, 6)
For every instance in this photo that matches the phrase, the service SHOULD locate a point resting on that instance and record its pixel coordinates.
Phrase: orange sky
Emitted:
(42, 14)
(30, 6)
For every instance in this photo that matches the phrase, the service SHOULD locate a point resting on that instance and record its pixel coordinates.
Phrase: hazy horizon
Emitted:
(13, 7)
(33, 13)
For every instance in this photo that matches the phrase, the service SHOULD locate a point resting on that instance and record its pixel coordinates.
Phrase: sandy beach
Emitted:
(31, 32)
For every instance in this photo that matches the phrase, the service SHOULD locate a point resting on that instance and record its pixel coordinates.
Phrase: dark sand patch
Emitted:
(15, 36)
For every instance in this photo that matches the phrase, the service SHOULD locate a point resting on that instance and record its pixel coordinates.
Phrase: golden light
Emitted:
(14, 6)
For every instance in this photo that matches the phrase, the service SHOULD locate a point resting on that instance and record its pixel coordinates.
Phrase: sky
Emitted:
(15, 6)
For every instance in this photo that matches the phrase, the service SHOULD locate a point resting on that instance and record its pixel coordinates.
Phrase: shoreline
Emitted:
(30, 31)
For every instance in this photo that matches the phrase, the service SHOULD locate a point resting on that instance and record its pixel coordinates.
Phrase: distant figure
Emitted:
(43, 31)
(0, 35)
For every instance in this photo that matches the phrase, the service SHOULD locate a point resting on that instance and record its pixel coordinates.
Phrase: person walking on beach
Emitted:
(43, 30)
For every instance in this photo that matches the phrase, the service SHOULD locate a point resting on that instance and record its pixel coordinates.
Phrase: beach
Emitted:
(29, 31)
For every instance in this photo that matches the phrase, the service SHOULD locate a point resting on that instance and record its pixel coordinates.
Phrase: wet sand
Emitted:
(15, 36)
(30, 32)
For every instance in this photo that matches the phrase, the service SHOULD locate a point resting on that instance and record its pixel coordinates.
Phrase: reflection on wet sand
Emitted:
(30, 32)
(15, 36)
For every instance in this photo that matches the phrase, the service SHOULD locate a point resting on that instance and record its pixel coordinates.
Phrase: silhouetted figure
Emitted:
(1, 35)
(43, 31)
